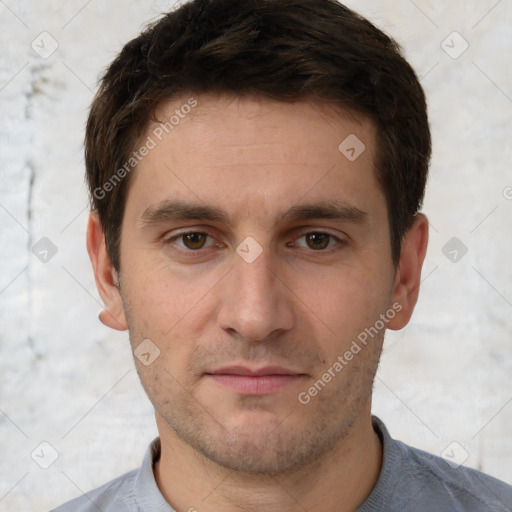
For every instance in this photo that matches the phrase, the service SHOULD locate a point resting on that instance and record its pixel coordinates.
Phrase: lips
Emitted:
(255, 381)
(242, 370)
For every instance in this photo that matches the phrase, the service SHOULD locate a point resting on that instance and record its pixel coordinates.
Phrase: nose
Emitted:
(256, 303)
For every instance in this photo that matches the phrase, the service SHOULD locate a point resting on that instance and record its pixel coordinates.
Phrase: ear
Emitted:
(105, 275)
(408, 273)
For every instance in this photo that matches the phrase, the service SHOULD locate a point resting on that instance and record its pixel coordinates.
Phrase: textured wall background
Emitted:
(445, 381)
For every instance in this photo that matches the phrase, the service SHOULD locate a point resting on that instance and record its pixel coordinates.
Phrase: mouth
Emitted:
(252, 381)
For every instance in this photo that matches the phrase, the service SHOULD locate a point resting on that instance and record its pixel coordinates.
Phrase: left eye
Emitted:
(317, 241)
(194, 240)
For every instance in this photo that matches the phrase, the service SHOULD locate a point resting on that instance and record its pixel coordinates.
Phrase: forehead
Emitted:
(254, 155)
(259, 121)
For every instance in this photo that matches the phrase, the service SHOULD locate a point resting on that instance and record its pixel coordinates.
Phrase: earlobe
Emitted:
(408, 273)
(109, 318)
(105, 275)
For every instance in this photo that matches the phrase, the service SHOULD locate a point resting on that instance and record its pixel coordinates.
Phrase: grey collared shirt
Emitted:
(410, 480)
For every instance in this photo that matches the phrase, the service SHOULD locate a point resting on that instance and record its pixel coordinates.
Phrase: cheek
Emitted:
(342, 316)
(166, 388)
(162, 299)
(174, 314)
(345, 300)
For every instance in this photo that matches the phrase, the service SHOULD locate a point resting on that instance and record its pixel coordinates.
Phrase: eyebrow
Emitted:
(173, 211)
(335, 210)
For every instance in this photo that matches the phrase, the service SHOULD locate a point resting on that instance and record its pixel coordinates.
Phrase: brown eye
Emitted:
(317, 241)
(194, 241)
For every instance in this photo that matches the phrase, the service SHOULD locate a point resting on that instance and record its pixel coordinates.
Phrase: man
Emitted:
(256, 169)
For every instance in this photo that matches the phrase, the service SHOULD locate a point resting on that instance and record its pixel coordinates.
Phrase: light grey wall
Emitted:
(69, 381)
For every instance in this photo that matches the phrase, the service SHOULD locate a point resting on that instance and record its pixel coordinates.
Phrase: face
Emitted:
(253, 254)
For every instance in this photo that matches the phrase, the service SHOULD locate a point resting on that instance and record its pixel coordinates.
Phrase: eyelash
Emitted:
(190, 252)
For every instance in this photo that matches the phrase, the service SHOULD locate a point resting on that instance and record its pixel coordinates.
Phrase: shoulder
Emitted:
(132, 492)
(118, 494)
(461, 488)
(412, 479)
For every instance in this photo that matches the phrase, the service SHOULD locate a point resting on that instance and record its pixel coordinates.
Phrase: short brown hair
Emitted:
(284, 50)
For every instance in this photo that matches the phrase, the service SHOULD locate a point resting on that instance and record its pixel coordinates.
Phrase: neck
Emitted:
(339, 481)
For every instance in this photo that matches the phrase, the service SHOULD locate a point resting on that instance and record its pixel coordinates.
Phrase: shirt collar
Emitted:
(149, 498)
(147, 494)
